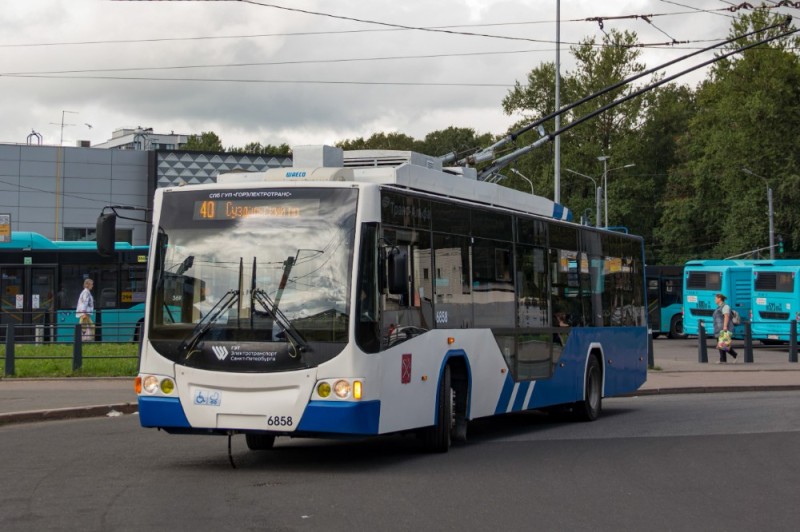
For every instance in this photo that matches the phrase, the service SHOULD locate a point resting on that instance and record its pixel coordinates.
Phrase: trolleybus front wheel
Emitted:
(259, 442)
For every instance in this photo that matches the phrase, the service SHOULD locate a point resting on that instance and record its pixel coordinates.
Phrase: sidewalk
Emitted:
(678, 370)
(676, 361)
(24, 400)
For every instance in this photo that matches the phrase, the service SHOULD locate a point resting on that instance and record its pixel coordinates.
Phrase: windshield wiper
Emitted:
(293, 335)
(259, 295)
(228, 299)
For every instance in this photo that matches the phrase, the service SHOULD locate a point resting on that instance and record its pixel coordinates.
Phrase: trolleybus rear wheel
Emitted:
(676, 328)
(592, 404)
(437, 438)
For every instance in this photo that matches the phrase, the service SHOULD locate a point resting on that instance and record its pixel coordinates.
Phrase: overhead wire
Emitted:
(599, 20)
(266, 81)
(448, 28)
(694, 9)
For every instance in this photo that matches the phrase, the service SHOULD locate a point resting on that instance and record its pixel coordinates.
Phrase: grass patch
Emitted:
(55, 360)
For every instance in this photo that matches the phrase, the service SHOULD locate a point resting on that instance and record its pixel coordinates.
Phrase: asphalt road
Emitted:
(683, 462)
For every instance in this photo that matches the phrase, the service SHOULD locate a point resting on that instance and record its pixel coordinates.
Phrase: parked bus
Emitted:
(703, 279)
(40, 281)
(377, 294)
(665, 300)
(776, 299)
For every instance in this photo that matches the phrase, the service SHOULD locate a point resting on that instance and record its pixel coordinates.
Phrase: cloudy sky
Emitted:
(302, 71)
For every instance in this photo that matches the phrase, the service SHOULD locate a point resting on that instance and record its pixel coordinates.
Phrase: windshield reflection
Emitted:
(291, 275)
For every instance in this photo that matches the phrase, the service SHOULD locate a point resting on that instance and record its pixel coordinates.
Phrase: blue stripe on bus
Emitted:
(341, 417)
(558, 211)
(162, 412)
(505, 395)
(522, 391)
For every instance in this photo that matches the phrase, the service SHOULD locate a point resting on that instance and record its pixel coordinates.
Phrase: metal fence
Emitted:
(702, 347)
(37, 334)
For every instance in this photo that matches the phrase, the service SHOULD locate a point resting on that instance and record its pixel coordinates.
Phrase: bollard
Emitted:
(793, 341)
(77, 349)
(748, 342)
(651, 363)
(702, 348)
(10, 369)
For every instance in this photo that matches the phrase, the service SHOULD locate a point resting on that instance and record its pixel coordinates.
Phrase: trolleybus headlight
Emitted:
(167, 386)
(323, 389)
(150, 383)
(342, 388)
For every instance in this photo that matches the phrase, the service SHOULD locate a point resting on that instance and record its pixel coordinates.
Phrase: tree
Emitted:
(654, 145)
(266, 149)
(597, 67)
(206, 141)
(747, 115)
(381, 141)
(458, 140)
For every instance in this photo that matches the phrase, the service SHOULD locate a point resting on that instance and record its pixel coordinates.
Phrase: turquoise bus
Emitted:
(41, 279)
(703, 279)
(665, 300)
(776, 299)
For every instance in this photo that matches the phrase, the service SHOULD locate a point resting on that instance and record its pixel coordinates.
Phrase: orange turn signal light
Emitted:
(450, 340)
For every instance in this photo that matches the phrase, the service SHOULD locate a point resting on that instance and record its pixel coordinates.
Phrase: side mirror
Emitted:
(398, 272)
(106, 234)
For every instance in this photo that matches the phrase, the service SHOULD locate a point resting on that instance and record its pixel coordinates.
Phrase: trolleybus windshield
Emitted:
(253, 280)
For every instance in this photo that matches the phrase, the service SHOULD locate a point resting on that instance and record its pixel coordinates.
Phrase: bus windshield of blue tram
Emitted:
(252, 280)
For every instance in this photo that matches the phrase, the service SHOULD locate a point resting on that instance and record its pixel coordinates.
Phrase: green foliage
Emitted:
(266, 149)
(461, 141)
(597, 67)
(206, 141)
(746, 115)
(381, 141)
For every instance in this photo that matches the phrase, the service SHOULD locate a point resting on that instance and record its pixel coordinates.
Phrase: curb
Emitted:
(34, 416)
(714, 389)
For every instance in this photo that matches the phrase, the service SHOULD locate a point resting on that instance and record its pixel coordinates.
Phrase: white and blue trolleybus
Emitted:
(366, 293)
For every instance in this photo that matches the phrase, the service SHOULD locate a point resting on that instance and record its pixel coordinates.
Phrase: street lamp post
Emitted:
(605, 159)
(769, 211)
(596, 195)
(525, 178)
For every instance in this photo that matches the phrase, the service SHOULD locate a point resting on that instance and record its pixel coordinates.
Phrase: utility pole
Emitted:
(557, 141)
(769, 212)
(605, 159)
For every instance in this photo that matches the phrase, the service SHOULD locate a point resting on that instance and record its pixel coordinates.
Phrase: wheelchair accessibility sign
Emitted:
(207, 398)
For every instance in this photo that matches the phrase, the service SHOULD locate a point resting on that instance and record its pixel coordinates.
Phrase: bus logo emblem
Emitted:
(405, 369)
(221, 351)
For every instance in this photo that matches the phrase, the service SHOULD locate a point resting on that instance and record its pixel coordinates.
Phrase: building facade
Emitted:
(143, 139)
(59, 191)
